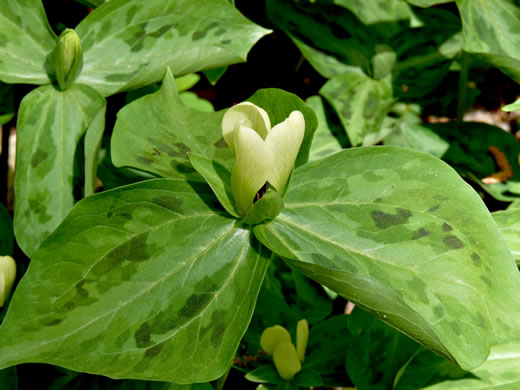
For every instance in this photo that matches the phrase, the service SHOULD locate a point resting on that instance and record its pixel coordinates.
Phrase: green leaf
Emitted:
(330, 136)
(385, 227)
(468, 154)
(147, 281)
(417, 137)
(218, 178)
(329, 342)
(428, 3)
(500, 371)
(187, 81)
(489, 32)
(328, 28)
(9, 379)
(361, 103)
(424, 55)
(192, 100)
(146, 36)
(508, 222)
(264, 374)
(6, 232)
(93, 138)
(6, 103)
(156, 132)
(50, 125)
(25, 41)
(515, 106)
(370, 12)
(214, 75)
(376, 353)
(425, 369)
(307, 378)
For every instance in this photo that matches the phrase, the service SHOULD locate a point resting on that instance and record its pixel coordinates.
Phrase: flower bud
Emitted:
(66, 59)
(286, 360)
(7, 275)
(273, 336)
(302, 336)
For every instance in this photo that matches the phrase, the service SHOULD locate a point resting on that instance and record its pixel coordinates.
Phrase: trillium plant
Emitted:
(216, 232)
(158, 280)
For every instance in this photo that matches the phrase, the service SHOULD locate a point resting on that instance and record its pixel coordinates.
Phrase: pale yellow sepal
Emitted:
(252, 166)
(286, 360)
(302, 336)
(7, 276)
(247, 114)
(272, 336)
(284, 140)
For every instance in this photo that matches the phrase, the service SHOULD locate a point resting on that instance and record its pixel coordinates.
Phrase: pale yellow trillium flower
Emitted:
(7, 276)
(263, 154)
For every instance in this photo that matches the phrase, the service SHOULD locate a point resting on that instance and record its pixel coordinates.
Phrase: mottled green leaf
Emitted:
(6, 232)
(129, 43)
(50, 125)
(6, 103)
(417, 137)
(376, 353)
(148, 281)
(508, 222)
(384, 14)
(500, 371)
(361, 103)
(93, 138)
(330, 136)
(468, 154)
(156, 132)
(326, 28)
(425, 54)
(490, 32)
(25, 41)
(399, 233)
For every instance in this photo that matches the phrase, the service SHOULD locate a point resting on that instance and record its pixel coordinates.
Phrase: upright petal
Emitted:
(252, 165)
(249, 115)
(284, 140)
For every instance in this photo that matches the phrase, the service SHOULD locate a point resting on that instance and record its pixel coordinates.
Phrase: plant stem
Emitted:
(463, 80)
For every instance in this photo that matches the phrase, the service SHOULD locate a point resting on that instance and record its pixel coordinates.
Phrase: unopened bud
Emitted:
(66, 59)
(286, 360)
(7, 275)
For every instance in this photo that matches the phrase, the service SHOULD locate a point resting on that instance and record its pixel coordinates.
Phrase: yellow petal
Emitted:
(286, 360)
(247, 114)
(302, 336)
(273, 336)
(252, 165)
(7, 276)
(284, 140)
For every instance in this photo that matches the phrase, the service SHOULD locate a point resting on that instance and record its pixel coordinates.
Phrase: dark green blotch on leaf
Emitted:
(476, 259)
(453, 242)
(169, 202)
(446, 227)
(422, 232)
(38, 157)
(384, 220)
